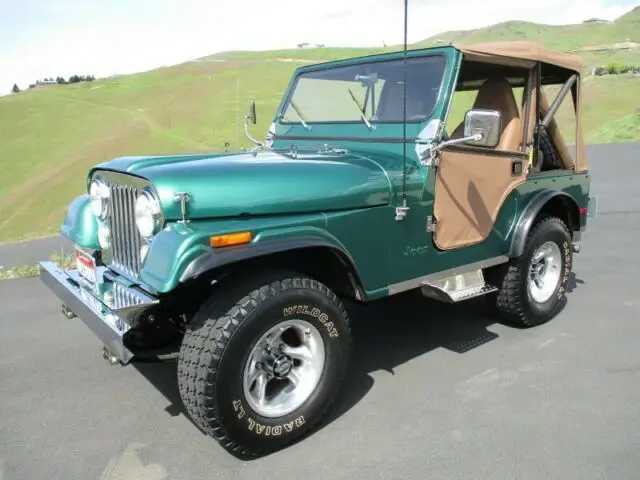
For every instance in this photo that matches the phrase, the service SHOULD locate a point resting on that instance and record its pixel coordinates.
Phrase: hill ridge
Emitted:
(632, 16)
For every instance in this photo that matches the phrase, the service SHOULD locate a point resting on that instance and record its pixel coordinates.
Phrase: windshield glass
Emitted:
(371, 90)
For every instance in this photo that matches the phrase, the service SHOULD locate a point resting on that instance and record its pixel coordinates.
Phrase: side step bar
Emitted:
(459, 287)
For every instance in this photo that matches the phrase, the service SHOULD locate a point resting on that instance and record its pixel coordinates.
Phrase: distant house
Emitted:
(43, 83)
(311, 45)
(596, 20)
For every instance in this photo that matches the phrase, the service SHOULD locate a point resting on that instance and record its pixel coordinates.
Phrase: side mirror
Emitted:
(251, 117)
(487, 123)
(252, 111)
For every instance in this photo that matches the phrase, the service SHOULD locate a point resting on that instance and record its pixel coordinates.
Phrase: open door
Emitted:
(473, 182)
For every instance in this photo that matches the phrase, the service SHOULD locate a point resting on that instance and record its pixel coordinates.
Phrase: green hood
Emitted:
(268, 183)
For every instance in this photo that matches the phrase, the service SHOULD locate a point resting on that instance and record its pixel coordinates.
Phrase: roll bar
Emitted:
(558, 100)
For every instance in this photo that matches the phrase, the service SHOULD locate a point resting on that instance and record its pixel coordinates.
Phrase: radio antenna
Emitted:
(401, 212)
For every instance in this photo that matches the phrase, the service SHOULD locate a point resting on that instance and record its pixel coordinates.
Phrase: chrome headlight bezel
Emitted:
(104, 236)
(99, 194)
(148, 214)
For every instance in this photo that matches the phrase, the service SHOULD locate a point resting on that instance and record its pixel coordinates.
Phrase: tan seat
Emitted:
(497, 94)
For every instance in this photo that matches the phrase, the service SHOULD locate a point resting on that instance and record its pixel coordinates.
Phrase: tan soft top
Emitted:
(523, 50)
(526, 53)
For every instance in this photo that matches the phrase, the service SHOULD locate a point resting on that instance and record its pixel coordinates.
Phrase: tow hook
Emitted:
(575, 248)
(67, 312)
(109, 357)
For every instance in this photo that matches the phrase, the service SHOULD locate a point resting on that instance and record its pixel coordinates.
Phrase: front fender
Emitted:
(182, 252)
(214, 259)
(80, 225)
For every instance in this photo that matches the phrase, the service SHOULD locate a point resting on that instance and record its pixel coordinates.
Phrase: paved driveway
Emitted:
(435, 391)
(31, 252)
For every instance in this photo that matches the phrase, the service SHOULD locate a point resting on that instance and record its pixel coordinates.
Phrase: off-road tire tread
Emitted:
(508, 302)
(209, 333)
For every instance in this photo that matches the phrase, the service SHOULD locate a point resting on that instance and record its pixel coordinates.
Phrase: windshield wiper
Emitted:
(362, 115)
(302, 120)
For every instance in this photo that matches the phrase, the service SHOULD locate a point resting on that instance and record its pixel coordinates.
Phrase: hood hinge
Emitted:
(183, 198)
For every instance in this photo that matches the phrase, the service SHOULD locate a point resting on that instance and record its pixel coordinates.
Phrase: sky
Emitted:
(43, 38)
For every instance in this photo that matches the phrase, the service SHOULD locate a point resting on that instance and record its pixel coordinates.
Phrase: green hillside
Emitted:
(559, 37)
(49, 136)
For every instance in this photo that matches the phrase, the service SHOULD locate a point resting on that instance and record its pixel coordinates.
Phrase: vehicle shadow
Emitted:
(398, 329)
(386, 334)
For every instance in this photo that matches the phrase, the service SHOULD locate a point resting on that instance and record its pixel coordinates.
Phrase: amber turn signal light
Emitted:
(230, 239)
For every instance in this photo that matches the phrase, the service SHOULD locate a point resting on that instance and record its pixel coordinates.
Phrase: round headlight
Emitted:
(147, 214)
(104, 236)
(99, 194)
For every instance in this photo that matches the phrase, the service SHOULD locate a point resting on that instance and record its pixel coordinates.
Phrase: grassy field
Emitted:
(51, 135)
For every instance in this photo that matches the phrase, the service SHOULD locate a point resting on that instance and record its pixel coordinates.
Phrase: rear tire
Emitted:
(532, 287)
(226, 365)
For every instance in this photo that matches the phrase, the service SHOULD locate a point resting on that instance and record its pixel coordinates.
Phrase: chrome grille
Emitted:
(123, 298)
(125, 239)
(123, 255)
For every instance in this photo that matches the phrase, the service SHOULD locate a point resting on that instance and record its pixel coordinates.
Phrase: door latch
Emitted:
(431, 224)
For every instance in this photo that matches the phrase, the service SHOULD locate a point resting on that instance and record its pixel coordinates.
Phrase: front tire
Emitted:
(261, 362)
(532, 287)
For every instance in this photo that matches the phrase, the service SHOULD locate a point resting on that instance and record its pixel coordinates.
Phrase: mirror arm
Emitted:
(435, 148)
(248, 135)
(476, 137)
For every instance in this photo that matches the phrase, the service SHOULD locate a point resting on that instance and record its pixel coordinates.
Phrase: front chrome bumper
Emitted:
(107, 308)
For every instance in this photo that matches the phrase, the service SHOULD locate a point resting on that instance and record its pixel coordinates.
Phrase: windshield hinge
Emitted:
(430, 159)
(431, 224)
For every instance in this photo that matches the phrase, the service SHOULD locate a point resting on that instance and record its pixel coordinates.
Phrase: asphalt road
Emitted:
(33, 251)
(435, 391)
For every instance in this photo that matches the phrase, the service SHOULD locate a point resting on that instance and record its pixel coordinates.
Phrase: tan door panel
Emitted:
(472, 185)
(470, 189)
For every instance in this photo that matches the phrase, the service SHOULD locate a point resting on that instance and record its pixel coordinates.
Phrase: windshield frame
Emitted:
(367, 60)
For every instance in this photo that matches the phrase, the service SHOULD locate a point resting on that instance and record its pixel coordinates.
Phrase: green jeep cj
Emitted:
(440, 170)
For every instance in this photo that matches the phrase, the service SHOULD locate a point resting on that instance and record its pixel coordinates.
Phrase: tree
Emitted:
(15, 88)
